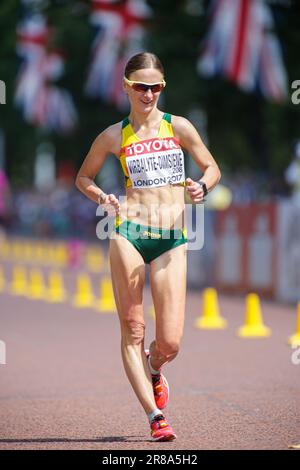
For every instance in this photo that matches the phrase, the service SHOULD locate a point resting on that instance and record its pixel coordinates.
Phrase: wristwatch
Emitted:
(205, 191)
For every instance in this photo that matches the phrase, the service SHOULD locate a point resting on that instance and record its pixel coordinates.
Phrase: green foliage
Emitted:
(245, 131)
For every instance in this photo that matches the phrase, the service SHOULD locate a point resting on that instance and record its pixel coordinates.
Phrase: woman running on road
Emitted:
(149, 227)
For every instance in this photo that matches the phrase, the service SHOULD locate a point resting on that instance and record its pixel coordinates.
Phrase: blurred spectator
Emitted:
(5, 203)
(292, 174)
(248, 187)
(64, 212)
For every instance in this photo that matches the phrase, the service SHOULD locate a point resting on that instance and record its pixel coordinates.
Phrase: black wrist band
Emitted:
(205, 191)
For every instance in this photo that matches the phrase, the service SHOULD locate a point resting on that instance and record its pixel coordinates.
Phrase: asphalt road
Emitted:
(64, 387)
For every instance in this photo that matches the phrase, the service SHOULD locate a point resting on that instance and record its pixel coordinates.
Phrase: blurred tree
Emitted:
(245, 131)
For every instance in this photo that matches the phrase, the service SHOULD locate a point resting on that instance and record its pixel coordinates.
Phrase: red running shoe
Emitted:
(161, 430)
(160, 388)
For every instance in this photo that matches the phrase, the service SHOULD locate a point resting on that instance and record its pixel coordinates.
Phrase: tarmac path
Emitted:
(64, 387)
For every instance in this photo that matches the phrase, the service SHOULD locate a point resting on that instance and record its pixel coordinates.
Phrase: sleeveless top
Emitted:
(154, 162)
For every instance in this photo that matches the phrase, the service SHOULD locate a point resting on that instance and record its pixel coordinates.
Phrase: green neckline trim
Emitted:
(166, 117)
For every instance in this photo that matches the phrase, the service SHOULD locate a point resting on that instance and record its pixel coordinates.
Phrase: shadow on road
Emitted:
(98, 439)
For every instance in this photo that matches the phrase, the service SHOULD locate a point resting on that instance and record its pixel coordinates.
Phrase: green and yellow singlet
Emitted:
(146, 164)
(153, 162)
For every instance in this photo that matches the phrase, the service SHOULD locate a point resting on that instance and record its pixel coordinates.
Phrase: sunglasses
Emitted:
(142, 87)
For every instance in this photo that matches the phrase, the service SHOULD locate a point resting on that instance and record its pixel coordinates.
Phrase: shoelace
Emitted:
(158, 418)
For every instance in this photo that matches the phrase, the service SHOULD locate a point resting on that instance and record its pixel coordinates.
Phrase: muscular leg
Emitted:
(128, 276)
(168, 286)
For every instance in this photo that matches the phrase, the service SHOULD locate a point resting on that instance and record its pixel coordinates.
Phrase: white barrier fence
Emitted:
(251, 248)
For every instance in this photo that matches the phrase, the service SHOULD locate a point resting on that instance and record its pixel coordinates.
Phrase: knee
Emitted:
(168, 348)
(133, 329)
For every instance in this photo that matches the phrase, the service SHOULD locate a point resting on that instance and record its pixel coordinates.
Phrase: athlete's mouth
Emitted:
(147, 102)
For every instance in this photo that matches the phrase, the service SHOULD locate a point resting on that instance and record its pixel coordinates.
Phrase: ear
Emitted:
(125, 87)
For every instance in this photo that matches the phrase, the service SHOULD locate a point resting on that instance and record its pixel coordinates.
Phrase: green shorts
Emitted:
(151, 242)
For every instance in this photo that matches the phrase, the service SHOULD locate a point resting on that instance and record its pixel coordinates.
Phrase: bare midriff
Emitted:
(161, 207)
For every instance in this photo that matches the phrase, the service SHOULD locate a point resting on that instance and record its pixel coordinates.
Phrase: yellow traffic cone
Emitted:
(107, 302)
(19, 284)
(36, 287)
(39, 252)
(211, 318)
(294, 340)
(56, 291)
(20, 251)
(5, 249)
(151, 312)
(17, 250)
(2, 280)
(27, 252)
(94, 260)
(50, 255)
(253, 327)
(84, 296)
(61, 254)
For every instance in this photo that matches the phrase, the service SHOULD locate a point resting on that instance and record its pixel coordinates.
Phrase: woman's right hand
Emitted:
(110, 204)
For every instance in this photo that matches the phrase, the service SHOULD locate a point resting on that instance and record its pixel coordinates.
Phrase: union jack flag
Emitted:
(43, 104)
(241, 45)
(119, 32)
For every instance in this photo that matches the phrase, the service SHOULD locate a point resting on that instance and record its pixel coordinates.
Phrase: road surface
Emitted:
(64, 387)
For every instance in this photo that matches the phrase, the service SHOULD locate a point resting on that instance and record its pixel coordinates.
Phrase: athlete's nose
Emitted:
(148, 96)
(148, 92)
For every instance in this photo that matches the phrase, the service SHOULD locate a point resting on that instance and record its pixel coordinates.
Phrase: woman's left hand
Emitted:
(194, 190)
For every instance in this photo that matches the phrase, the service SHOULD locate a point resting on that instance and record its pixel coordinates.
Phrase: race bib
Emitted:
(155, 162)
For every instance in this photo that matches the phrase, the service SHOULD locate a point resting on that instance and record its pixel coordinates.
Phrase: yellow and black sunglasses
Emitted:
(143, 87)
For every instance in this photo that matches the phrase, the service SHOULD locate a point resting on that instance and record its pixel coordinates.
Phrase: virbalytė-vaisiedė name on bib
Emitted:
(155, 162)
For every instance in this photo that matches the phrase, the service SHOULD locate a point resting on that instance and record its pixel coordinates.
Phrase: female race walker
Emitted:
(149, 227)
